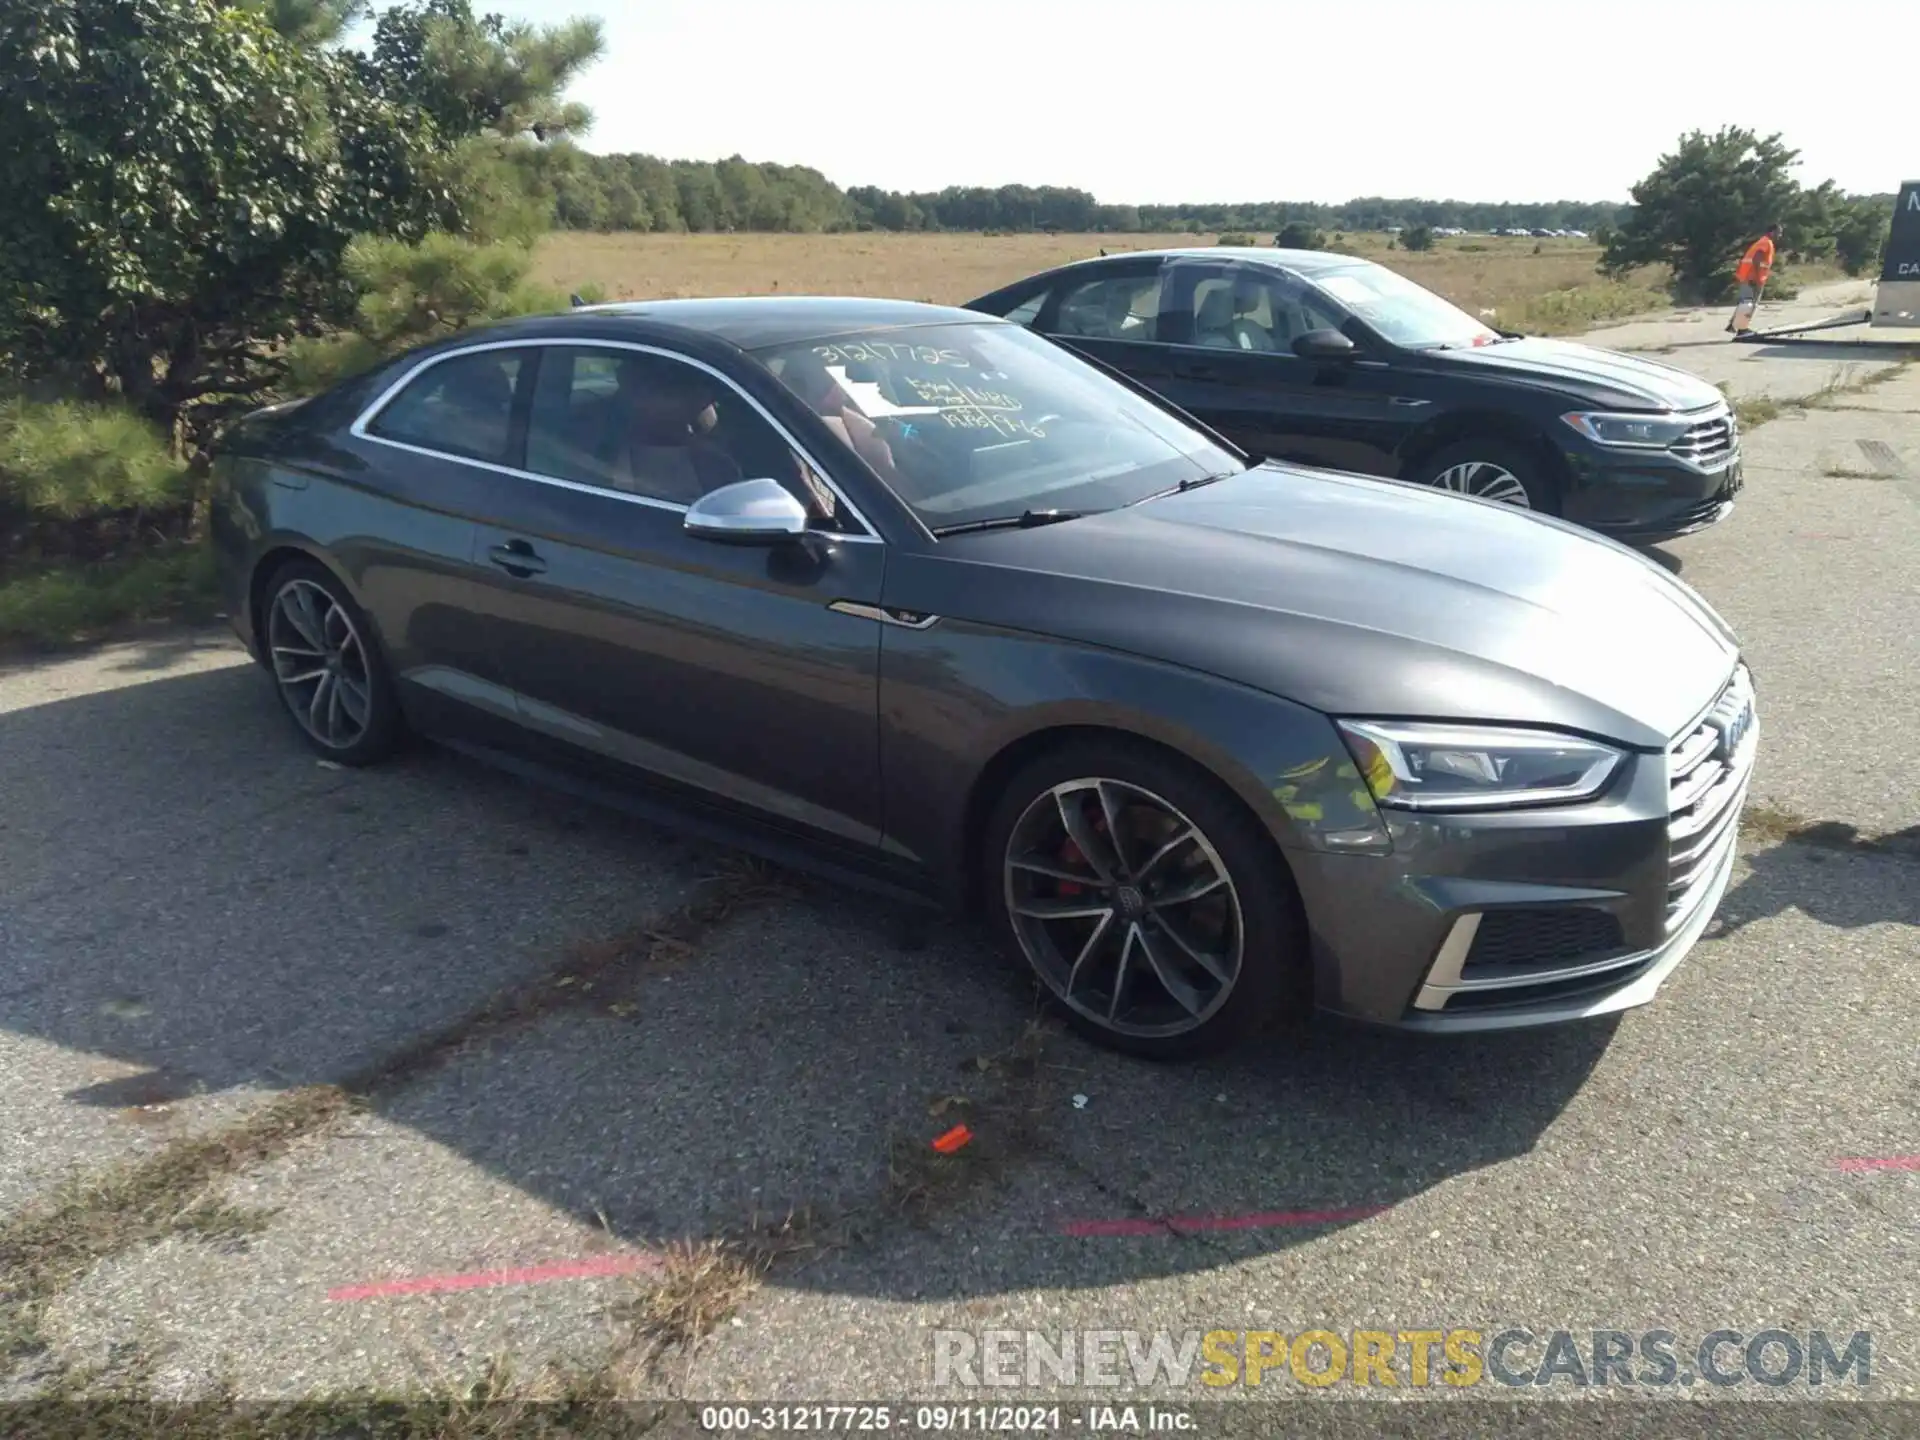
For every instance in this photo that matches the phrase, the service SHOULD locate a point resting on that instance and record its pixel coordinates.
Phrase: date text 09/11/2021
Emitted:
(945, 1419)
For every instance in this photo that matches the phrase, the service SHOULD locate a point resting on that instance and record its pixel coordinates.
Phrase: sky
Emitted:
(1310, 100)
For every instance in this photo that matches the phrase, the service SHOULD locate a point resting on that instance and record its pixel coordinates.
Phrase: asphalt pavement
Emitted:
(198, 918)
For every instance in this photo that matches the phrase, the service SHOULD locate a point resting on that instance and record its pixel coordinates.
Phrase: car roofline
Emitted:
(1250, 254)
(633, 312)
(971, 318)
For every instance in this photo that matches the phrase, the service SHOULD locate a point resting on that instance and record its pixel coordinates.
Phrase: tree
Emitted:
(1299, 235)
(1860, 237)
(311, 22)
(1703, 203)
(410, 294)
(1418, 237)
(475, 74)
(183, 178)
(182, 183)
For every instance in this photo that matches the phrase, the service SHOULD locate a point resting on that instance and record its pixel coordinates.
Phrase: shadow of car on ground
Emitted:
(196, 901)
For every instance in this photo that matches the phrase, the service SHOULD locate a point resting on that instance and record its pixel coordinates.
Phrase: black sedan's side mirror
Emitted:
(1324, 345)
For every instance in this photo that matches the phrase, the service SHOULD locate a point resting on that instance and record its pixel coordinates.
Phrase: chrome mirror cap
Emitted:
(748, 512)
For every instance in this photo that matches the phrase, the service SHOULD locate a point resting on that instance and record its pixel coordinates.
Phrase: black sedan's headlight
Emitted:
(1630, 432)
(1420, 766)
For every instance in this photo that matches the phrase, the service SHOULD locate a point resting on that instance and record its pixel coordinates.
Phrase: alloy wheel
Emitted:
(320, 664)
(1124, 907)
(1486, 480)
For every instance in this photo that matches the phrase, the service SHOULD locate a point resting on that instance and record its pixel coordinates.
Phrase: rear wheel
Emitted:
(1155, 912)
(320, 650)
(1496, 470)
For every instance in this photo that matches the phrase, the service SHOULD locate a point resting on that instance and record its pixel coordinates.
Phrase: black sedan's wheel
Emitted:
(321, 652)
(1152, 908)
(1493, 470)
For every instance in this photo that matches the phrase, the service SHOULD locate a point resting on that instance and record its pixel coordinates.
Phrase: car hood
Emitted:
(1603, 378)
(1358, 597)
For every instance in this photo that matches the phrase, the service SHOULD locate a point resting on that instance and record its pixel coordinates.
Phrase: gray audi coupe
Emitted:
(918, 598)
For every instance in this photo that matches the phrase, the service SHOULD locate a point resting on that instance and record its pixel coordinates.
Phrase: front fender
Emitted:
(958, 698)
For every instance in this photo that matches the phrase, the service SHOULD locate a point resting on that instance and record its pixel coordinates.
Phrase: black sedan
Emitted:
(918, 597)
(1329, 360)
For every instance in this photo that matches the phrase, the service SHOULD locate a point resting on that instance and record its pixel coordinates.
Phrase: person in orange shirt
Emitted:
(1751, 273)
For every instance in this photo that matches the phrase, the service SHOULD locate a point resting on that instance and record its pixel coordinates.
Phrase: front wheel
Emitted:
(1494, 470)
(1157, 914)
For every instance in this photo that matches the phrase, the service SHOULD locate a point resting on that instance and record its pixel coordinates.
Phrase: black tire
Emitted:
(1271, 976)
(301, 638)
(1455, 465)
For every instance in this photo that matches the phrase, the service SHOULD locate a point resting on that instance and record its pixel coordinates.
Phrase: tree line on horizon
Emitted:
(636, 193)
(646, 194)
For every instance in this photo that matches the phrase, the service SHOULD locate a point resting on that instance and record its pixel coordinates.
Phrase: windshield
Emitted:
(980, 422)
(1401, 311)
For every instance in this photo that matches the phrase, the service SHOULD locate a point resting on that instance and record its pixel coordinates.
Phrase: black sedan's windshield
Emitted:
(977, 423)
(1406, 313)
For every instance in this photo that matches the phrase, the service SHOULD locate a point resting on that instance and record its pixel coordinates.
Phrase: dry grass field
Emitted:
(1545, 286)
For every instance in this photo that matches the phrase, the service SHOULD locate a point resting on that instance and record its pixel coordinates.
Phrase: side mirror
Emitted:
(747, 512)
(1324, 345)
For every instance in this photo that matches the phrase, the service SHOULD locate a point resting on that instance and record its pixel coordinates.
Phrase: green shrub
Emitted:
(1235, 237)
(59, 605)
(64, 460)
(1417, 237)
(410, 294)
(1299, 235)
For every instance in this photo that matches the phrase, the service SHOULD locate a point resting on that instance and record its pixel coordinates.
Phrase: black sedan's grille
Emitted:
(1707, 772)
(1542, 938)
(1710, 443)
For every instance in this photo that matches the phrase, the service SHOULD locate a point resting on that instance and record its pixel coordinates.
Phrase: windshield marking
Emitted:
(1022, 424)
(852, 351)
(964, 407)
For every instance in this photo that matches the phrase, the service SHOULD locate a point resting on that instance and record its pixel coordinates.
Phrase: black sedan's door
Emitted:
(1229, 330)
(724, 670)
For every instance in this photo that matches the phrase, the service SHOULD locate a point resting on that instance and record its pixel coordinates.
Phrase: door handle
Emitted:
(517, 558)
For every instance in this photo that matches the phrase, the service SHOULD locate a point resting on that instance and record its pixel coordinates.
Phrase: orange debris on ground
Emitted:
(953, 1140)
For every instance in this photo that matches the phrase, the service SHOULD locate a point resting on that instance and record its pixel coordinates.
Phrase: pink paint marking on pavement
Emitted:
(592, 1268)
(1186, 1224)
(1878, 1162)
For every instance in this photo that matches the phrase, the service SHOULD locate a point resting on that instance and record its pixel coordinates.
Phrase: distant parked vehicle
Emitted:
(1333, 361)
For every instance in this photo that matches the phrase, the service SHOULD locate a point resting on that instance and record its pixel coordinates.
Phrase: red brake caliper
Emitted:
(1071, 854)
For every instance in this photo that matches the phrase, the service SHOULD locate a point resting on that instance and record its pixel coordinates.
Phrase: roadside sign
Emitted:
(1897, 300)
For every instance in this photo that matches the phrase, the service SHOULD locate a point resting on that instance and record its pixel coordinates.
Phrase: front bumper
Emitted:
(1646, 497)
(1531, 918)
(1604, 988)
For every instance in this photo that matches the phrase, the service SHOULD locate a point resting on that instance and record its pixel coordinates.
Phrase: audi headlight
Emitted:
(1476, 767)
(1630, 432)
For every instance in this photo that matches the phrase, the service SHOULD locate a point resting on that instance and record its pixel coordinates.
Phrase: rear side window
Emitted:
(462, 406)
(1028, 310)
(1114, 307)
